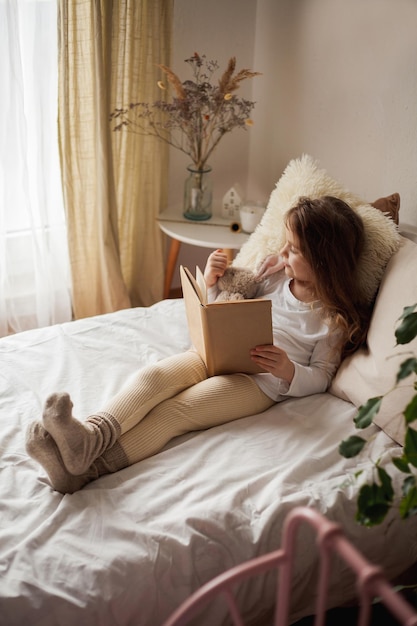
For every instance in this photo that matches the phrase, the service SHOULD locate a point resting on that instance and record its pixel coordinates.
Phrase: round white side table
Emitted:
(213, 233)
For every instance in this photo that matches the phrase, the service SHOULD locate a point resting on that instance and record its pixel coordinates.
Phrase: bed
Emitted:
(131, 546)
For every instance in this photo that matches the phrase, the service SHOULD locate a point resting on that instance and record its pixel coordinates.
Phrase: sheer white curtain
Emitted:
(34, 267)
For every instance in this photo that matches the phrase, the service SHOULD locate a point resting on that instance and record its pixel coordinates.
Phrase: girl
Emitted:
(317, 320)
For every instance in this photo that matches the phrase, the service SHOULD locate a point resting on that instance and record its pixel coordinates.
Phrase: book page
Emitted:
(202, 284)
(186, 276)
(194, 311)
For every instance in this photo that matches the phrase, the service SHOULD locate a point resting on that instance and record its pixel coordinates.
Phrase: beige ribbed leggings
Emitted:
(176, 396)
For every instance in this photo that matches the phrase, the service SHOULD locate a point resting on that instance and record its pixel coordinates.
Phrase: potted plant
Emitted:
(375, 499)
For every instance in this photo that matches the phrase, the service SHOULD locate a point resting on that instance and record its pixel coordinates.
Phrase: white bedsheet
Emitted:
(128, 548)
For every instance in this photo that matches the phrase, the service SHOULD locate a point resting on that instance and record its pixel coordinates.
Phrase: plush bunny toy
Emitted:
(237, 283)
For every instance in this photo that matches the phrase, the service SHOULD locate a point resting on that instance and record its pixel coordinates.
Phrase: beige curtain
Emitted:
(114, 183)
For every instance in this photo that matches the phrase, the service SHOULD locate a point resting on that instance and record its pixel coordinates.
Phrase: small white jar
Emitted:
(251, 214)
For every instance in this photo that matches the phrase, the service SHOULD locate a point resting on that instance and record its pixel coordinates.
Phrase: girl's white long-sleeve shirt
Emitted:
(298, 328)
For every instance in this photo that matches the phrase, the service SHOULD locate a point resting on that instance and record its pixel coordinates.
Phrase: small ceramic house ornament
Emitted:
(232, 201)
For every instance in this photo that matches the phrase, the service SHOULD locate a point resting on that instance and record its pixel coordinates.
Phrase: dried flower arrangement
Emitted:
(200, 112)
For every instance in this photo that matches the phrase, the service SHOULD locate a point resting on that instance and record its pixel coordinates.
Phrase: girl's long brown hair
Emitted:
(331, 238)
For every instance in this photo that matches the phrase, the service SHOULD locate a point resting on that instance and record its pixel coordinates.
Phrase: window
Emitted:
(34, 266)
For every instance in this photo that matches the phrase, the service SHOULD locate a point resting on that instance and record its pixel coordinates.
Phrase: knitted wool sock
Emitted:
(43, 449)
(79, 443)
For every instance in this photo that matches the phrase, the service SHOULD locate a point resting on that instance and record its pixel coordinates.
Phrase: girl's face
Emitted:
(296, 266)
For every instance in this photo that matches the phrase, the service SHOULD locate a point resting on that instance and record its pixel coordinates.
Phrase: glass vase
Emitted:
(198, 191)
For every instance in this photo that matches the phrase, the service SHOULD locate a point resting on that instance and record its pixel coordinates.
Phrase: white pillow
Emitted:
(302, 177)
(371, 371)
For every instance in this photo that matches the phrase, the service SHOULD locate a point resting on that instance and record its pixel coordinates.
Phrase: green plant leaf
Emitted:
(386, 483)
(407, 367)
(351, 446)
(401, 463)
(410, 412)
(410, 446)
(407, 310)
(367, 412)
(408, 504)
(373, 505)
(408, 484)
(407, 330)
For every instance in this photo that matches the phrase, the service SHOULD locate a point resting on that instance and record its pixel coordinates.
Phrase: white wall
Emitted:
(342, 87)
(339, 82)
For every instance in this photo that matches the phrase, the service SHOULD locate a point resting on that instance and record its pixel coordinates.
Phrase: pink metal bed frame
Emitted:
(371, 582)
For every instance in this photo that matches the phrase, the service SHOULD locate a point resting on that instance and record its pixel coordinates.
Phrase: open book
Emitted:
(224, 332)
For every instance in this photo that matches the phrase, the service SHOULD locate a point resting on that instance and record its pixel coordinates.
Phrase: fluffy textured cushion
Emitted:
(371, 372)
(302, 177)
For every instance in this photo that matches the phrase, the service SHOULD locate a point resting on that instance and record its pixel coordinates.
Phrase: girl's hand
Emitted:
(274, 360)
(215, 267)
(270, 265)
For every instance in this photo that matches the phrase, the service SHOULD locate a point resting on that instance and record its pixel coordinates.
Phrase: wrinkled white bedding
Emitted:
(131, 546)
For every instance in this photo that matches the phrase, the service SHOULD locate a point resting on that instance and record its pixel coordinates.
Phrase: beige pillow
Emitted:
(302, 177)
(371, 372)
(390, 205)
